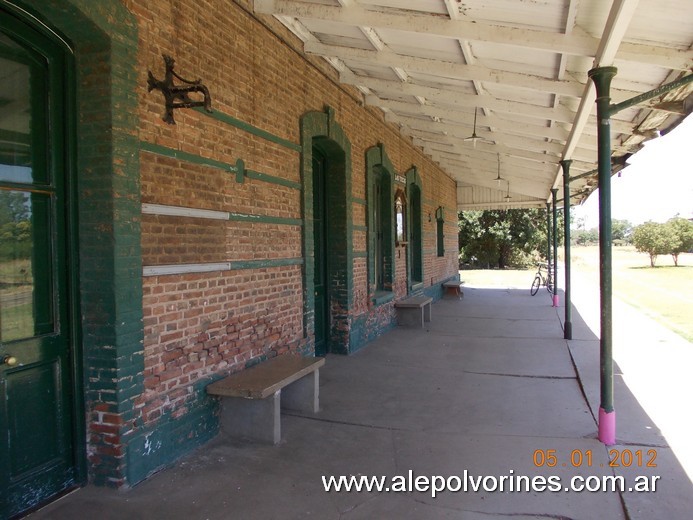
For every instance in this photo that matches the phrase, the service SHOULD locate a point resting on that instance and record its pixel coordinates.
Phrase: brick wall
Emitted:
(145, 400)
(204, 325)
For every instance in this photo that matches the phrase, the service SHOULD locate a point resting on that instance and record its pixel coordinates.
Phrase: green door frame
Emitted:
(320, 129)
(379, 170)
(105, 193)
(60, 185)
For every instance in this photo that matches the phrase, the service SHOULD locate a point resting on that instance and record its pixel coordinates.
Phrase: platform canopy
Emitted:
(516, 67)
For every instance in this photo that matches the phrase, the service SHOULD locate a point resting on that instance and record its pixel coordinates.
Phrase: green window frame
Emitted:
(381, 222)
(415, 196)
(440, 231)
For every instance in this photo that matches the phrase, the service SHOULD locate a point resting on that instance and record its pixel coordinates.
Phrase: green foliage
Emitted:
(655, 239)
(502, 237)
(621, 230)
(683, 230)
(583, 238)
(15, 226)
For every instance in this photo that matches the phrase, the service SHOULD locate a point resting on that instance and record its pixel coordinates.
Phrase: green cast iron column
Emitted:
(554, 296)
(548, 236)
(568, 322)
(602, 77)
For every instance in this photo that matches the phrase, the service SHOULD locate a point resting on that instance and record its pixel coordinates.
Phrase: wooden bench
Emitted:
(414, 311)
(453, 288)
(254, 397)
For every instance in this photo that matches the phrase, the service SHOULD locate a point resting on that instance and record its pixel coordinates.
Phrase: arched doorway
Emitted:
(328, 254)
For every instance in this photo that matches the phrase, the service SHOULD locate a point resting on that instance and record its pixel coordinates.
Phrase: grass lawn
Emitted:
(664, 292)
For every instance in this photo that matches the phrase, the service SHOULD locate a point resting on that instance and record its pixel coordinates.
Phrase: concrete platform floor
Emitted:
(486, 384)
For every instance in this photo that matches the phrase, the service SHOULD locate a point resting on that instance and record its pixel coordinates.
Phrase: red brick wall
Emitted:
(199, 324)
(202, 324)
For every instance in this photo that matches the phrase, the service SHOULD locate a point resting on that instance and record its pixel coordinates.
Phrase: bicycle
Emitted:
(541, 279)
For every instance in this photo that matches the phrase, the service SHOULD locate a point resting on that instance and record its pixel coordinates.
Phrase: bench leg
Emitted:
(454, 291)
(256, 419)
(303, 395)
(427, 312)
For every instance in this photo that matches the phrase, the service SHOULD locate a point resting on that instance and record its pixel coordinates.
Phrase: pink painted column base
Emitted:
(607, 427)
(555, 300)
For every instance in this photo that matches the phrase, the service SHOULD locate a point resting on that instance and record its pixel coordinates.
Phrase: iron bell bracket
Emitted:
(177, 96)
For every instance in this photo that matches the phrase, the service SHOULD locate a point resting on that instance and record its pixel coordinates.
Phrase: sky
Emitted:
(657, 183)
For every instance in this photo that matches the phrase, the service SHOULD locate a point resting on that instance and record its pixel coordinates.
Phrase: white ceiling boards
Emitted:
(521, 64)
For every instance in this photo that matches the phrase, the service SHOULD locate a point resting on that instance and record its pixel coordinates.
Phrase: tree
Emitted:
(655, 239)
(621, 229)
(15, 225)
(683, 230)
(13, 207)
(501, 237)
(582, 237)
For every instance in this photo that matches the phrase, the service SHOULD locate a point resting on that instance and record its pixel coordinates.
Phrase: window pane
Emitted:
(22, 92)
(25, 267)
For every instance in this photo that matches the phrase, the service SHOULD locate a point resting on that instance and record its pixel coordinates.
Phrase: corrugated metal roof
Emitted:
(520, 65)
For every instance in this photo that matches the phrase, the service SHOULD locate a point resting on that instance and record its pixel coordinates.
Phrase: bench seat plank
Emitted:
(414, 311)
(413, 302)
(264, 379)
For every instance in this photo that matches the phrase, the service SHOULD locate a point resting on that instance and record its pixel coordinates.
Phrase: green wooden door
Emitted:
(37, 452)
(320, 251)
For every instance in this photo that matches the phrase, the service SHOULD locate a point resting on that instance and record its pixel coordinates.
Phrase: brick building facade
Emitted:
(195, 249)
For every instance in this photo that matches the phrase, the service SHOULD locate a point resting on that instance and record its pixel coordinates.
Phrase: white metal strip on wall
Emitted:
(156, 270)
(179, 211)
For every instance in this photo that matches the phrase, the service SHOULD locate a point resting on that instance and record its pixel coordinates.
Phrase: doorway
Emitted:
(37, 384)
(327, 239)
(321, 267)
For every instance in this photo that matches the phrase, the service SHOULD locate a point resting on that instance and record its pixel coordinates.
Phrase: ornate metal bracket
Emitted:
(176, 96)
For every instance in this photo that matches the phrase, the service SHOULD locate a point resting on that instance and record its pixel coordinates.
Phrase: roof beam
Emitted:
(374, 39)
(455, 126)
(534, 190)
(577, 43)
(620, 15)
(509, 171)
(562, 114)
(492, 148)
(510, 141)
(387, 58)
(461, 206)
(450, 97)
(453, 9)
(458, 153)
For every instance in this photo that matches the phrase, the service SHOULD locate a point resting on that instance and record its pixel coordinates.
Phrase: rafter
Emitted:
(529, 189)
(455, 99)
(510, 141)
(528, 114)
(620, 15)
(386, 58)
(459, 123)
(557, 114)
(578, 43)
